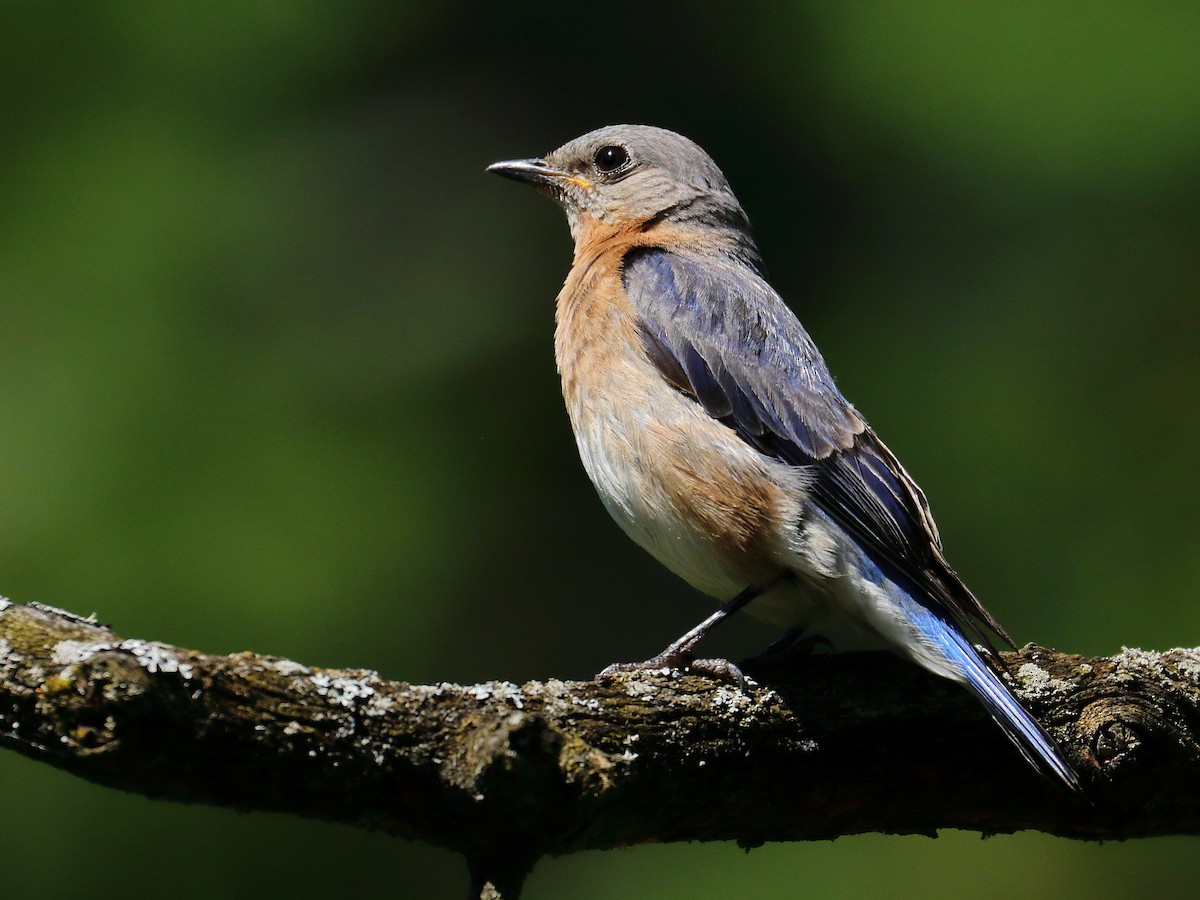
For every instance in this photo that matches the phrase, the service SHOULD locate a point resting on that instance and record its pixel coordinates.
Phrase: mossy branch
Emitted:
(506, 774)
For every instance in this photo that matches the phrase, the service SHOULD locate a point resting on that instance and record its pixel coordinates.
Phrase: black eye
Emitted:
(610, 158)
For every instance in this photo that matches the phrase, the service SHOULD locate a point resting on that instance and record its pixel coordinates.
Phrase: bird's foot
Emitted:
(681, 654)
(723, 670)
(683, 661)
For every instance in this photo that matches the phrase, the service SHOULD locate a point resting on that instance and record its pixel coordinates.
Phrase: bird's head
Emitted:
(633, 175)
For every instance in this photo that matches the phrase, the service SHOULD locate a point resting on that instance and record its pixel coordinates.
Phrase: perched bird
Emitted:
(712, 430)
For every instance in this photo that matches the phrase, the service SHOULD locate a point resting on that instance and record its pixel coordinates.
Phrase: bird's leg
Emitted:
(680, 654)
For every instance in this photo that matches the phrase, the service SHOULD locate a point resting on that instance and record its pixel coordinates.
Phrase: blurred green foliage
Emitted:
(275, 365)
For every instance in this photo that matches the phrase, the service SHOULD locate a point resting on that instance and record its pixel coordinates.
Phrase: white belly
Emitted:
(676, 481)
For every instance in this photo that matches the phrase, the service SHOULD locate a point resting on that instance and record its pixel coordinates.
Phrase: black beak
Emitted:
(534, 171)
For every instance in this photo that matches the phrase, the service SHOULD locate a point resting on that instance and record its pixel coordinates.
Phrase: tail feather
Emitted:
(961, 662)
(1023, 730)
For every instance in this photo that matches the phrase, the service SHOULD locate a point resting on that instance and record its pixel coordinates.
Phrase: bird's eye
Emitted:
(609, 159)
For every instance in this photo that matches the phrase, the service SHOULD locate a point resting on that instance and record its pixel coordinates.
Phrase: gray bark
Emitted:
(505, 774)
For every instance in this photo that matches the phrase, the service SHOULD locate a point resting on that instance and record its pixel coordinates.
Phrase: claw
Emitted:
(721, 669)
(680, 654)
(792, 644)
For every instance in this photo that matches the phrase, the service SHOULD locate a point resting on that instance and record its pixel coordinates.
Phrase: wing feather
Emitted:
(719, 333)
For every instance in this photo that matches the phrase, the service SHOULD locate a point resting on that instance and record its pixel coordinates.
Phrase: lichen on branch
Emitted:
(505, 773)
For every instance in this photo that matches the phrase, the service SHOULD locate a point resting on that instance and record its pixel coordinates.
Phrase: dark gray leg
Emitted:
(681, 653)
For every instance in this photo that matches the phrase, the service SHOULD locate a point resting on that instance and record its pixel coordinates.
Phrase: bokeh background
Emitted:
(276, 371)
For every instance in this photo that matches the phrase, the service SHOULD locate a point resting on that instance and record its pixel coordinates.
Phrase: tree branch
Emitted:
(505, 774)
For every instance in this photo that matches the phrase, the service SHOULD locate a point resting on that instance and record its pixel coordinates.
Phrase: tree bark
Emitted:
(505, 774)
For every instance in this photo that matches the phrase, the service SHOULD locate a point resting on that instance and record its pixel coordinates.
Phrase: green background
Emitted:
(276, 371)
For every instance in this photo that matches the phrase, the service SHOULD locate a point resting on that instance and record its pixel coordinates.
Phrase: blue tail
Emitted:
(963, 663)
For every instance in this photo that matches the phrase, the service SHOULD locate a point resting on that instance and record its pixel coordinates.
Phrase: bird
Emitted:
(709, 424)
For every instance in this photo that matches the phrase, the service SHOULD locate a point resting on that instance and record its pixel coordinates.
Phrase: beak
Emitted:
(536, 171)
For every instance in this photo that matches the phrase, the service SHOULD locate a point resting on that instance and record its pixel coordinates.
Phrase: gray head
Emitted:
(627, 174)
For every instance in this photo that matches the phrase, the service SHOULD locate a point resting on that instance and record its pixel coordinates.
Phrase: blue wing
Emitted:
(721, 334)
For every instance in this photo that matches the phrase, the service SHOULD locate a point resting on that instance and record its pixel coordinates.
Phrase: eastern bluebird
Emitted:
(716, 437)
